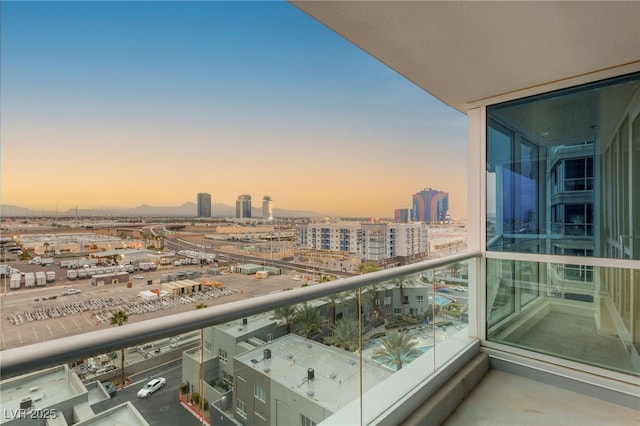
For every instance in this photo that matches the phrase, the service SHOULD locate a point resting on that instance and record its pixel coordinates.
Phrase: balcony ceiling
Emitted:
(464, 52)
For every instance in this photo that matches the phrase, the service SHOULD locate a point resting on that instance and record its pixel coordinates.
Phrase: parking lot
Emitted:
(43, 314)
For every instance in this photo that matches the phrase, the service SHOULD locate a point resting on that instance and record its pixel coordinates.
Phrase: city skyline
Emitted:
(156, 101)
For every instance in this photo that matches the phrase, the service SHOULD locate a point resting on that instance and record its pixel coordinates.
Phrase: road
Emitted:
(162, 407)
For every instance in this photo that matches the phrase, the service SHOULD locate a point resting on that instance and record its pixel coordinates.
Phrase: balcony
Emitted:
(336, 353)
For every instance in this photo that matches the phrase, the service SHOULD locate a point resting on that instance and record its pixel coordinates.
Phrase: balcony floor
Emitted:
(503, 398)
(576, 338)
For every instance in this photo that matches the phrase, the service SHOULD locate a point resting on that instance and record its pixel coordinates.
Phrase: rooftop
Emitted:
(336, 372)
(46, 388)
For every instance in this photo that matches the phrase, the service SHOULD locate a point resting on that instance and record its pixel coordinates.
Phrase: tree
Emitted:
(201, 306)
(333, 301)
(287, 315)
(345, 335)
(403, 283)
(119, 318)
(371, 297)
(367, 267)
(454, 268)
(397, 349)
(309, 319)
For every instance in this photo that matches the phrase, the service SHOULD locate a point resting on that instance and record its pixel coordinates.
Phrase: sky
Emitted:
(118, 104)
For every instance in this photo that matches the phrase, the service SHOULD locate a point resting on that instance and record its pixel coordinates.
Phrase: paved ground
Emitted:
(27, 304)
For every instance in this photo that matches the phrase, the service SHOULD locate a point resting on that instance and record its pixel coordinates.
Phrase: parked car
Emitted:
(460, 288)
(109, 387)
(151, 387)
(70, 291)
(138, 277)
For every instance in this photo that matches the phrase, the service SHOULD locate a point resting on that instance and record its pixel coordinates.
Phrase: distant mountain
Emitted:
(187, 209)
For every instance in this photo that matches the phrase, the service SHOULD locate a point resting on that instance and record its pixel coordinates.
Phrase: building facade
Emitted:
(204, 204)
(430, 206)
(385, 243)
(267, 208)
(402, 215)
(243, 206)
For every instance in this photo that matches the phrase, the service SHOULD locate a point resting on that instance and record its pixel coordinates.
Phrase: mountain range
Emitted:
(187, 209)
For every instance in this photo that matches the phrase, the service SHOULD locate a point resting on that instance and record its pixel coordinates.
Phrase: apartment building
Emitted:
(385, 243)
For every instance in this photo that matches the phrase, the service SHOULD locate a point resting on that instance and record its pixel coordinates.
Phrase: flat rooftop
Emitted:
(123, 414)
(336, 372)
(46, 388)
(256, 322)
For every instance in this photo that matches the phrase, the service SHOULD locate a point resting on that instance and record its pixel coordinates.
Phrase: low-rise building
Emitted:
(57, 396)
(293, 380)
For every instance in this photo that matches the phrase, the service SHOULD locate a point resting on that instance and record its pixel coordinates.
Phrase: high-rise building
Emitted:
(204, 204)
(430, 205)
(243, 206)
(267, 208)
(402, 215)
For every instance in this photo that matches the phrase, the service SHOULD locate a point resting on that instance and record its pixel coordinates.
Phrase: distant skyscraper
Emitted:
(402, 215)
(267, 208)
(243, 206)
(430, 205)
(204, 204)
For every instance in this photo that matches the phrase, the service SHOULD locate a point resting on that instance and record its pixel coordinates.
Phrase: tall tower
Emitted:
(267, 208)
(430, 205)
(243, 206)
(204, 204)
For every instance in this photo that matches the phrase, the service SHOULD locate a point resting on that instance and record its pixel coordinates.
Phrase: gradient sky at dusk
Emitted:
(118, 104)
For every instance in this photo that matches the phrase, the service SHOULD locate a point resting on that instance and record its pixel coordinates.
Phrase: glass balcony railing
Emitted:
(326, 351)
(578, 312)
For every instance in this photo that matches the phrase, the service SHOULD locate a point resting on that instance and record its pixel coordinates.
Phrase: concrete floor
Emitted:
(507, 399)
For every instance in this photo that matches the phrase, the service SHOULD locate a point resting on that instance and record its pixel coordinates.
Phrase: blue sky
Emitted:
(116, 104)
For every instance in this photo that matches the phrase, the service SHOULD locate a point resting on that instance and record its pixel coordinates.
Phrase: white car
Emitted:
(138, 277)
(70, 291)
(460, 288)
(151, 387)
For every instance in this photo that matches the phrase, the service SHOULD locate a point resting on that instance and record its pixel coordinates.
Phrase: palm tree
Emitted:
(353, 296)
(286, 314)
(403, 283)
(333, 301)
(454, 268)
(345, 335)
(119, 318)
(397, 349)
(309, 319)
(366, 267)
(372, 297)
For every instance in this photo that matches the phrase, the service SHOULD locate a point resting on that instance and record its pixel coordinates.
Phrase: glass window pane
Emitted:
(576, 312)
(560, 169)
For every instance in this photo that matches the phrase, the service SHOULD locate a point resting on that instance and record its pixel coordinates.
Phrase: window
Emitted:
(260, 416)
(560, 169)
(260, 393)
(241, 409)
(420, 299)
(305, 421)
(397, 310)
(222, 355)
(227, 378)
